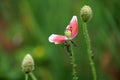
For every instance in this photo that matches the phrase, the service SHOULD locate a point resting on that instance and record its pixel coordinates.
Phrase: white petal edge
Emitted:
(51, 37)
(67, 27)
(74, 18)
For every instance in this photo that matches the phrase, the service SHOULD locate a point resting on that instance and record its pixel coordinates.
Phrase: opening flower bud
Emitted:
(28, 64)
(86, 13)
(68, 33)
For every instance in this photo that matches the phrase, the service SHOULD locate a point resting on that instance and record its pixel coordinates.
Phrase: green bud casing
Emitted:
(28, 64)
(86, 13)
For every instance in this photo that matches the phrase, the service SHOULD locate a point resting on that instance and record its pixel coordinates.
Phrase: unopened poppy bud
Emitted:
(86, 13)
(68, 33)
(28, 64)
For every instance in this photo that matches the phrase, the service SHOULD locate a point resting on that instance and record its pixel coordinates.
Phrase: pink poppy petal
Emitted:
(73, 26)
(57, 39)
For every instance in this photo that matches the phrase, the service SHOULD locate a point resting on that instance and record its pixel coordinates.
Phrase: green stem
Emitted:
(33, 76)
(26, 76)
(73, 62)
(89, 51)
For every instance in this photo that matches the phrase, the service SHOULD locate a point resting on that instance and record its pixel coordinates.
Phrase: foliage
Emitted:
(25, 26)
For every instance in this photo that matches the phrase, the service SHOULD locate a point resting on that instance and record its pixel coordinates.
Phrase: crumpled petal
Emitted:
(57, 39)
(73, 27)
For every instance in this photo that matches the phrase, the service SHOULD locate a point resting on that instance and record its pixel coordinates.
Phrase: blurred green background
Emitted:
(25, 26)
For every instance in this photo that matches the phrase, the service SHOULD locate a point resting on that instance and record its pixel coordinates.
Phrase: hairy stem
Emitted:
(73, 62)
(33, 76)
(89, 51)
(26, 76)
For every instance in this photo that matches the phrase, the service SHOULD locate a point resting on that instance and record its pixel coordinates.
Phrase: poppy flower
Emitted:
(70, 32)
